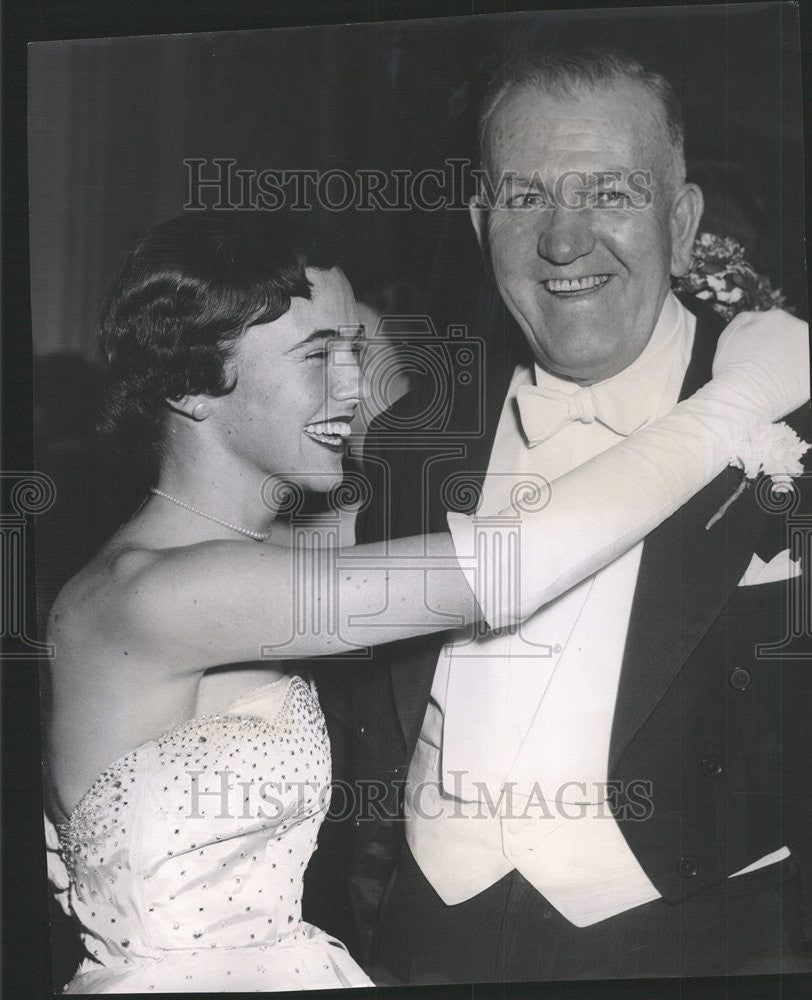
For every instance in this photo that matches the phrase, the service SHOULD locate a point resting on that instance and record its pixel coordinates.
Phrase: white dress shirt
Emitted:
(511, 765)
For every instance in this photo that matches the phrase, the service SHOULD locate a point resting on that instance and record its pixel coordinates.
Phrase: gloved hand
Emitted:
(518, 560)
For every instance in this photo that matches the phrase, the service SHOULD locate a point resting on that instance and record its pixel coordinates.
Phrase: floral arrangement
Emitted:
(721, 276)
(774, 450)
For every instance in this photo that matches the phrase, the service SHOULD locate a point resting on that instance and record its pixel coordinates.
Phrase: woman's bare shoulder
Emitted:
(105, 579)
(150, 600)
(108, 667)
(97, 611)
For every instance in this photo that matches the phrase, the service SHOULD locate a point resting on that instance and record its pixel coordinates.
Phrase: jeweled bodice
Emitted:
(199, 839)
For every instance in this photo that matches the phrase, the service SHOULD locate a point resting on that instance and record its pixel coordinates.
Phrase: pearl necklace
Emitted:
(258, 536)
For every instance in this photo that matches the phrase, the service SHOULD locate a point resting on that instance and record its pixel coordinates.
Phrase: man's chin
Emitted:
(583, 368)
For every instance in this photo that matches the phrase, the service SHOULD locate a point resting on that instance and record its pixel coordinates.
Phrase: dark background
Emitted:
(110, 123)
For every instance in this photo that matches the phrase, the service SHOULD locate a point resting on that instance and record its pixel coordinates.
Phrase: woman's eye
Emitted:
(334, 349)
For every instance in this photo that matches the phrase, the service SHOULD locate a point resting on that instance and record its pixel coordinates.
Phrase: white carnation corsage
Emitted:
(773, 450)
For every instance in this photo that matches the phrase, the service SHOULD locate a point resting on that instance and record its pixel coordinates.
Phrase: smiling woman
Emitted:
(302, 369)
(233, 345)
(191, 290)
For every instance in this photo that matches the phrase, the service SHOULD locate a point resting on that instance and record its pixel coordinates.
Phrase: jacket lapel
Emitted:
(671, 610)
(686, 574)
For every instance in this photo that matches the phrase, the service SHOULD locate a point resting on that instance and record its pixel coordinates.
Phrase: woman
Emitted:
(233, 344)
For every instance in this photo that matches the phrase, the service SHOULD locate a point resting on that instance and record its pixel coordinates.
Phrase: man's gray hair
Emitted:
(561, 72)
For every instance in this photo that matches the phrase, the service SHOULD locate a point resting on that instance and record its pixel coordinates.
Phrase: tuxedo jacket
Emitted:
(708, 754)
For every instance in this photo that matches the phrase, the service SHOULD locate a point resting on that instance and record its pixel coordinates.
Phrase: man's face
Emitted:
(582, 236)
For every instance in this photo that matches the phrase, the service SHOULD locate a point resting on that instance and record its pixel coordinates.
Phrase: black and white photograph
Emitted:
(420, 513)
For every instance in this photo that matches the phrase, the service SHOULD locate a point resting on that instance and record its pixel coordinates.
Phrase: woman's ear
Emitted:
(192, 407)
(686, 212)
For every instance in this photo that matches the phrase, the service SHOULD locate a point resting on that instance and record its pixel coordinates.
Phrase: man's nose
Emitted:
(566, 234)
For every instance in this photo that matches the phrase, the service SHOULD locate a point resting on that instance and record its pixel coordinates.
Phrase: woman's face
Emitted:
(298, 387)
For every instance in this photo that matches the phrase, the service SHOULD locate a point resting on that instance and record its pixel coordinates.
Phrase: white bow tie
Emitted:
(622, 407)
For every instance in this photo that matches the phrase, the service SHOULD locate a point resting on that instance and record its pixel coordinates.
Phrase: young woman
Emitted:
(188, 779)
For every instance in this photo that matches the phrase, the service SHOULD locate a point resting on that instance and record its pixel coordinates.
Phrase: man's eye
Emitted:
(527, 199)
(611, 199)
(318, 355)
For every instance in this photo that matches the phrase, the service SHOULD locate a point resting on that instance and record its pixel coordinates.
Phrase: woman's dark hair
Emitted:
(183, 297)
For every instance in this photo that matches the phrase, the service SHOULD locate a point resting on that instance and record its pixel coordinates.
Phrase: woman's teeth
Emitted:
(329, 432)
(575, 284)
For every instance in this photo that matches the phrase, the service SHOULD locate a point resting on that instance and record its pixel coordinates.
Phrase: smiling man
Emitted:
(584, 262)
(599, 794)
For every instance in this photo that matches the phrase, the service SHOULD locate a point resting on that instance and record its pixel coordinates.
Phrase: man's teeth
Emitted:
(576, 284)
(331, 431)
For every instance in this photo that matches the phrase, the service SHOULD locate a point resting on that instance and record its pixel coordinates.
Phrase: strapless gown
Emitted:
(184, 861)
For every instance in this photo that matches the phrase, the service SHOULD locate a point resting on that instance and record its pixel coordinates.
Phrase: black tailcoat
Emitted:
(709, 732)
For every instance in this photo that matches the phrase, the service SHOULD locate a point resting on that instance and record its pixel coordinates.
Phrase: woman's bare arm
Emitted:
(220, 602)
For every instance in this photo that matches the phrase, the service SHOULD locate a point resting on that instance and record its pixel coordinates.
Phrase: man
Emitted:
(611, 791)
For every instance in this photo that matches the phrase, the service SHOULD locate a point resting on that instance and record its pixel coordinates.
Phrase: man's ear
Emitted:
(686, 211)
(479, 220)
(193, 407)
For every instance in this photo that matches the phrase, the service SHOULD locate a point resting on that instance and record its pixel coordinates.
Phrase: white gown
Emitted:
(184, 861)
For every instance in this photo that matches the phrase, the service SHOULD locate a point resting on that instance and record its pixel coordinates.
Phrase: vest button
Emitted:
(688, 866)
(711, 766)
(740, 679)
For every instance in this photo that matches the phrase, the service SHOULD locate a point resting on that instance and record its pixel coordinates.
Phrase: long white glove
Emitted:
(518, 560)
